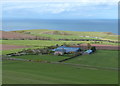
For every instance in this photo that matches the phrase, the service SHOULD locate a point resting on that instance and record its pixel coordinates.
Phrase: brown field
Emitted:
(100, 47)
(16, 35)
(9, 47)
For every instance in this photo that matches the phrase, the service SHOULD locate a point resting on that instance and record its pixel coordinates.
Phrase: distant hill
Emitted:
(57, 34)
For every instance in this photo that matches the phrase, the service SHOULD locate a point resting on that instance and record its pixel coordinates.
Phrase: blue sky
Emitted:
(63, 9)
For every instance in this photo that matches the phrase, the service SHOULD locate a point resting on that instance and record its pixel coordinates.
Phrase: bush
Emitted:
(93, 48)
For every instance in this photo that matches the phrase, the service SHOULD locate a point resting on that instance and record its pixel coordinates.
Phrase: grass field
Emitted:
(101, 58)
(17, 72)
(51, 58)
(40, 44)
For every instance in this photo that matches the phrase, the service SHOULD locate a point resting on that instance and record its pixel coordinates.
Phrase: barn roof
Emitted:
(68, 49)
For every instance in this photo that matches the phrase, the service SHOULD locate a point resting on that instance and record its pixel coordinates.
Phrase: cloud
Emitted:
(39, 8)
(62, 0)
(88, 8)
(110, 2)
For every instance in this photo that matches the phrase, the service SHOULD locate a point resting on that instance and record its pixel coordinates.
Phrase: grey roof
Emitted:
(67, 49)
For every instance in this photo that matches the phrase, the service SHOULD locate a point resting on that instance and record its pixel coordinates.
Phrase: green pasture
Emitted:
(32, 44)
(101, 58)
(50, 58)
(18, 72)
(38, 43)
(4, 52)
(53, 36)
(21, 72)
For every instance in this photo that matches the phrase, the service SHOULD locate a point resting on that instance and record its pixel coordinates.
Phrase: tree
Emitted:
(93, 48)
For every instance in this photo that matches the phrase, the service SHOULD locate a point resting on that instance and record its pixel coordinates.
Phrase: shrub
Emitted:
(93, 48)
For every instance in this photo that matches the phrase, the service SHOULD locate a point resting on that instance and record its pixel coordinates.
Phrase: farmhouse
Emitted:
(63, 49)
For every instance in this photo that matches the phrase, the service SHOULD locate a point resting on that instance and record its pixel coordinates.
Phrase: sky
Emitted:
(60, 9)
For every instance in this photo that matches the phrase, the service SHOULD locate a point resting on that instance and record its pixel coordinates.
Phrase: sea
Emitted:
(84, 25)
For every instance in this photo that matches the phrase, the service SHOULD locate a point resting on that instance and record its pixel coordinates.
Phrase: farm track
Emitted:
(74, 65)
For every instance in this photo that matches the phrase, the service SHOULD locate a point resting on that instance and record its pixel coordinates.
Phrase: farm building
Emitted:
(59, 52)
(65, 49)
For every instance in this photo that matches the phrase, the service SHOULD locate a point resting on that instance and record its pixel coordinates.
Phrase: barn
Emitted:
(67, 49)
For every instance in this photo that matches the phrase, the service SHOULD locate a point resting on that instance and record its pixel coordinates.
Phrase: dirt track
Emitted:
(9, 47)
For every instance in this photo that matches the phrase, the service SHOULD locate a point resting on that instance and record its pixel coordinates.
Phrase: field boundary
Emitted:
(76, 65)
(69, 58)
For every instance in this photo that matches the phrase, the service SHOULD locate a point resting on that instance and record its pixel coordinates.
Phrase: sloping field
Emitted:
(101, 58)
(56, 34)
(16, 35)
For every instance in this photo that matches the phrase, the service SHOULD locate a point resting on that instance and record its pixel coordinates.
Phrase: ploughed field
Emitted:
(21, 36)
(9, 47)
(72, 71)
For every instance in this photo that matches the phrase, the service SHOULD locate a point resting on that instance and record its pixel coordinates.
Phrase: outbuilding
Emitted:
(67, 49)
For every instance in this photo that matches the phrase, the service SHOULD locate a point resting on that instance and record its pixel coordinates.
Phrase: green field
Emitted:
(101, 58)
(51, 58)
(68, 72)
(19, 72)
(38, 43)
(41, 43)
